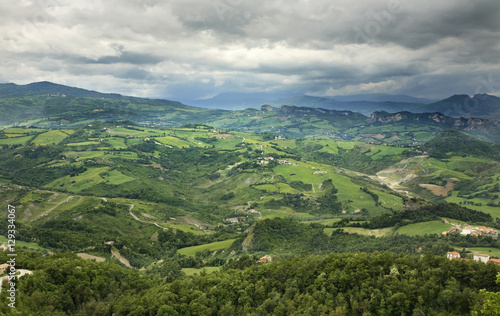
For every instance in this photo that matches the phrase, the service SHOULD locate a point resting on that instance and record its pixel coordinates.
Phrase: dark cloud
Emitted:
(192, 48)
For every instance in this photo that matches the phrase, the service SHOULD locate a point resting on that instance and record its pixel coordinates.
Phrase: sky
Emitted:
(195, 49)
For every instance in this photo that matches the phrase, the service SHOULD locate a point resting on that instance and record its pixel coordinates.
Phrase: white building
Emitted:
(482, 258)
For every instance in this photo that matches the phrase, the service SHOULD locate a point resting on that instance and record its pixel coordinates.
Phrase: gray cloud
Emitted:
(185, 49)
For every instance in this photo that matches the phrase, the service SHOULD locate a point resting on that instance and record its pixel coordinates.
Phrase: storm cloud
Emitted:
(189, 49)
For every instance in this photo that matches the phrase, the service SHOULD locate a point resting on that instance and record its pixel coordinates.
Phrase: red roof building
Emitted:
(453, 255)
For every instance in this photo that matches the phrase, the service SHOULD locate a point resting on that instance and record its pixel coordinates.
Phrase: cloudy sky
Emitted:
(191, 49)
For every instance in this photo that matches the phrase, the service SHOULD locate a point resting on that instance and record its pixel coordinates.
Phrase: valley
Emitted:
(171, 201)
(203, 181)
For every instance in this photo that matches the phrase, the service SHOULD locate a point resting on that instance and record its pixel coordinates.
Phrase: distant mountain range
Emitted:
(9, 90)
(50, 105)
(379, 97)
(478, 106)
(481, 105)
(238, 101)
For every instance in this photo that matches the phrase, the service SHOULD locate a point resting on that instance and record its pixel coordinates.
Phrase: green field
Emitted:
(193, 271)
(88, 143)
(228, 143)
(361, 231)
(174, 141)
(49, 138)
(115, 177)
(22, 244)
(492, 252)
(117, 142)
(19, 130)
(382, 151)
(276, 187)
(15, 135)
(15, 140)
(432, 227)
(348, 192)
(90, 178)
(218, 245)
(492, 210)
(328, 221)
(83, 154)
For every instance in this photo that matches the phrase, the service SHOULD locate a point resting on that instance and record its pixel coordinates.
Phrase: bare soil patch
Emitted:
(439, 190)
(376, 136)
(222, 136)
(195, 222)
(90, 257)
(121, 258)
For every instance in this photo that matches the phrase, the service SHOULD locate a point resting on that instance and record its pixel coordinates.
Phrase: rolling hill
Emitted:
(152, 186)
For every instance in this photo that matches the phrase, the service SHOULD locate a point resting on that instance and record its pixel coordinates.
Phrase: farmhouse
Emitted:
(467, 230)
(266, 259)
(287, 163)
(481, 258)
(232, 220)
(453, 255)
(495, 261)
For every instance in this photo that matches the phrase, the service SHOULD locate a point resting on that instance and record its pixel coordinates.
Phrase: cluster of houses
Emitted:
(235, 220)
(265, 160)
(455, 255)
(472, 231)
(287, 163)
(479, 231)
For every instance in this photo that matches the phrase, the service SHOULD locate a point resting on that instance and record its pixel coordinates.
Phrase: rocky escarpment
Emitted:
(466, 124)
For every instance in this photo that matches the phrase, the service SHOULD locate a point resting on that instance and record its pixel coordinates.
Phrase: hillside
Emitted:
(10, 90)
(113, 181)
(170, 201)
(365, 107)
(454, 143)
(52, 105)
(462, 105)
(479, 106)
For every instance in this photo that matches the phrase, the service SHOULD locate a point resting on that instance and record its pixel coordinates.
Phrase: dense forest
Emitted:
(381, 283)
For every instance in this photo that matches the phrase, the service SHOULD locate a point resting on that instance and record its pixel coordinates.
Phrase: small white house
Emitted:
(482, 258)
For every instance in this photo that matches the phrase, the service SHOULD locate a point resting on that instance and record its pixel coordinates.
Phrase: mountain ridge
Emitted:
(458, 105)
(480, 105)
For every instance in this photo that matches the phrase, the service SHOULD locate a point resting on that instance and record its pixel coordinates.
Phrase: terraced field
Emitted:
(219, 245)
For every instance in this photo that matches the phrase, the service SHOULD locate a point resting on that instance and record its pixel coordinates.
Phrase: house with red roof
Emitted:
(453, 255)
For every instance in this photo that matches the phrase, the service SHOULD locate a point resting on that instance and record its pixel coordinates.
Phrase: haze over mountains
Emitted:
(480, 105)
(51, 105)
